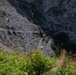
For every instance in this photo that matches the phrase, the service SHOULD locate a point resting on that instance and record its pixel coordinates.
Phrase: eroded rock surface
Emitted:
(24, 22)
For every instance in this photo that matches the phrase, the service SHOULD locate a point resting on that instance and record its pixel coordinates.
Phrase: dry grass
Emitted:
(60, 62)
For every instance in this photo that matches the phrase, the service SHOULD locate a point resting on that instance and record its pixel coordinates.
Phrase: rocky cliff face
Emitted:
(62, 13)
(23, 23)
(16, 30)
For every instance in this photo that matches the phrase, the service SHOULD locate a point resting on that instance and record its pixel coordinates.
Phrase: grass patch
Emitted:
(68, 69)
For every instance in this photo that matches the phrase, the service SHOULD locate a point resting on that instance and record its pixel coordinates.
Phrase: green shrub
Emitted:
(29, 64)
(41, 63)
(34, 63)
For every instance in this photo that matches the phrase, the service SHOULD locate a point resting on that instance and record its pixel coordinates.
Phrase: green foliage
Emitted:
(40, 63)
(34, 63)
(28, 64)
(12, 64)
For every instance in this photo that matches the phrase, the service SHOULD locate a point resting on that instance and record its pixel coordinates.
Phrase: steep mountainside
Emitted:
(30, 24)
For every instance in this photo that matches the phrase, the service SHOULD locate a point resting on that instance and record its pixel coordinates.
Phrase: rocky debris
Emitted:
(46, 47)
(48, 50)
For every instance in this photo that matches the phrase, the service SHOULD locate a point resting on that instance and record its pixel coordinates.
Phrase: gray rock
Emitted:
(31, 19)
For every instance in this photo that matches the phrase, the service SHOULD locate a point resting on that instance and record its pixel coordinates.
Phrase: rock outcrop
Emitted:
(24, 22)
